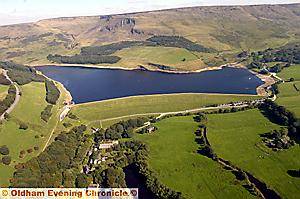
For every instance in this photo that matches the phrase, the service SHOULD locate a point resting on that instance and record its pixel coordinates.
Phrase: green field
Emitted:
(3, 91)
(292, 71)
(141, 55)
(163, 55)
(288, 96)
(174, 158)
(235, 137)
(150, 104)
(28, 111)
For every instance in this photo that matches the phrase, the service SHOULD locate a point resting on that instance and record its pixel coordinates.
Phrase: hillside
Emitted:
(227, 29)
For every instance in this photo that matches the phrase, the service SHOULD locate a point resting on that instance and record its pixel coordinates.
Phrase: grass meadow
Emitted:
(236, 137)
(28, 111)
(175, 161)
(107, 109)
(3, 91)
(288, 96)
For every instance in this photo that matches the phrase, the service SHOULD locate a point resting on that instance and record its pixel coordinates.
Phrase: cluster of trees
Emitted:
(123, 129)
(112, 48)
(289, 54)
(8, 100)
(123, 154)
(111, 174)
(72, 116)
(67, 124)
(5, 152)
(46, 113)
(103, 54)
(278, 114)
(21, 74)
(30, 150)
(276, 68)
(83, 59)
(278, 139)
(179, 42)
(200, 117)
(52, 92)
(127, 153)
(281, 116)
(58, 165)
(113, 177)
(168, 41)
(201, 139)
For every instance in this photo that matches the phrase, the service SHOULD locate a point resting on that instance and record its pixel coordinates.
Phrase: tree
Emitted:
(6, 116)
(114, 177)
(52, 92)
(99, 176)
(4, 150)
(23, 126)
(240, 175)
(120, 128)
(82, 181)
(6, 160)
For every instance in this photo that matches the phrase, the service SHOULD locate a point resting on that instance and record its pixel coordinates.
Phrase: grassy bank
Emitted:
(3, 91)
(174, 158)
(236, 137)
(288, 96)
(28, 111)
(150, 104)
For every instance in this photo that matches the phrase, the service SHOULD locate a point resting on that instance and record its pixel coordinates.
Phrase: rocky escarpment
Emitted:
(114, 24)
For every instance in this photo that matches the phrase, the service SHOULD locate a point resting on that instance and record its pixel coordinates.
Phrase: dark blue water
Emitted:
(90, 84)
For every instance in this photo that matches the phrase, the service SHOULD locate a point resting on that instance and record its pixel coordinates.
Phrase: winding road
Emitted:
(17, 98)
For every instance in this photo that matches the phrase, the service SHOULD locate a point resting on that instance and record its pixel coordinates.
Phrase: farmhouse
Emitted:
(109, 144)
(150, 129)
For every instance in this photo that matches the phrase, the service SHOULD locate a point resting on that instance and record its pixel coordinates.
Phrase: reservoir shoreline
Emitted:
(109, 67)
(106, 84)
(261, 90)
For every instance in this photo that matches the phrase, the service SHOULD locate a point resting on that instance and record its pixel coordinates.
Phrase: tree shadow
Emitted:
(294, 173)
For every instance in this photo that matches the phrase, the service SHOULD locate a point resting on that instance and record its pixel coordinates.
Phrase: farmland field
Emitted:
(28, 111)
(288, 96)
(236, 138)
(174, 158)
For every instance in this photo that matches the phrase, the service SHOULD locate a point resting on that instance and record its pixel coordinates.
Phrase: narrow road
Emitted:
(17, 98)
(50, 136)
(162, 114)
(202, 109)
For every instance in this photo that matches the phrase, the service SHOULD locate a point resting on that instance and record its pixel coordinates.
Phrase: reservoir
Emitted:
(93, 84)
